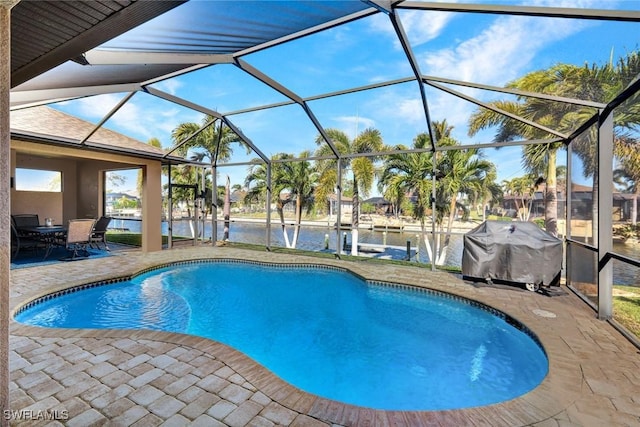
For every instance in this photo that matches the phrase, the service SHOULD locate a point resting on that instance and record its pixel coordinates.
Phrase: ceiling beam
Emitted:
(413, 62)
(516, 92)
(259, 75)
(114, 57)
(497, 110)
(127, 18)
(30, 98)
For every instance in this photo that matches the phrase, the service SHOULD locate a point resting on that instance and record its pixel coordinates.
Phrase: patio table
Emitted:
(51, 236)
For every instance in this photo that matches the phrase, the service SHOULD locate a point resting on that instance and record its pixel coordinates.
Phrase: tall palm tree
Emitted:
(602, 83)
(411, 173)
(290, 181)
(535, 157)
(589, 82)
(298, 178)
(463, 172)
(457, 171)
(213, 143)
(522, 189)
(362, 169)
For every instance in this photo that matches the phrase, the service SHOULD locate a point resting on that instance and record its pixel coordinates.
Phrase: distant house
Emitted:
(346, 204)
(381, 205)
(112, 198)
(581, 203)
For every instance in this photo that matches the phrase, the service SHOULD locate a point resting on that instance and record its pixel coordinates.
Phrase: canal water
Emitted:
(314, 238)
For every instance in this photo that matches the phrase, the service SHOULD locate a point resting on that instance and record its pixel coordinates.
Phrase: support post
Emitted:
(605, 213)
(170, 210)
(338, 207)
(268, 202)
(434, 171)
(214, 205)
(5, 199)
(152, 207)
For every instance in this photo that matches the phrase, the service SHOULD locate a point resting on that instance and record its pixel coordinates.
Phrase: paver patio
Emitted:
(145, 378)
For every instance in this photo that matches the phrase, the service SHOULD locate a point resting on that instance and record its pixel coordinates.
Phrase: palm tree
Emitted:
(213, 143)
(298, 178)
(463, 172)
(602, 84)
(292, 180)
(411, 173)
(362, 169)
(489, 192)
(629, 173)
(457, 171)
(535, 157)
(522, 189)
(594, 83)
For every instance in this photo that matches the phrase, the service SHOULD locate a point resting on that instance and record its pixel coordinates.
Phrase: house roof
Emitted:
(43, 122)
(377, 201)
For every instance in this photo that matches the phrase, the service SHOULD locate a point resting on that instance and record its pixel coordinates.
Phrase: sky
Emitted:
(486, 49)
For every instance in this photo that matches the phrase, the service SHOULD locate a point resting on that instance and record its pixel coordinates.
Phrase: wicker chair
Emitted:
(79, 237)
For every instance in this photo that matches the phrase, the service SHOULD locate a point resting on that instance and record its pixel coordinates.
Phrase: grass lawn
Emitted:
(626, 307)
(134, 239)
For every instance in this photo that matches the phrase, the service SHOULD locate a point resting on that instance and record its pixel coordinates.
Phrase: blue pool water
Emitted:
(324, 331)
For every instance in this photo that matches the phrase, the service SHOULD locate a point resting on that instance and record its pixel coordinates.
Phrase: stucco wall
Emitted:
(82, 185)
(60, 206)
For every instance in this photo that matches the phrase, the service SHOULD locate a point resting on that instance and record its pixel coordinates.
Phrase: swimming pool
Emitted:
(323, 330)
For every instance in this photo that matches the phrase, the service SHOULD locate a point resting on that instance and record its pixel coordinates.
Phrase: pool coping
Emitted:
(560, 389)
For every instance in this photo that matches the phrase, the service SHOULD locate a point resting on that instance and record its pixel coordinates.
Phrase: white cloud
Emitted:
(419, 26)
(423, 27)
(353, 125)
(170, 86)
(502, 52)
(137, 119)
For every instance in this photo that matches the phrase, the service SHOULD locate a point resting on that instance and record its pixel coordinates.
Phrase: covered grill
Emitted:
(518, 252)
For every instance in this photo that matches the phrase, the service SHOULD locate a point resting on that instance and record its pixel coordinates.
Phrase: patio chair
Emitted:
(78, 238)
(19, 242)
(99, 232)
(25, 220)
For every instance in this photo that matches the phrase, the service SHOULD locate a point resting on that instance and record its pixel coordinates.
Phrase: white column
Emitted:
(5, 198)
(605, 213)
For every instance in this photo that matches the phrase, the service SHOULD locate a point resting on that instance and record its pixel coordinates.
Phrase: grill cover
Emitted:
(512, 251)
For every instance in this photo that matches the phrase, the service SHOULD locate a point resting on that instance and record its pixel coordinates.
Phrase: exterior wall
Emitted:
(82, 186)
(59, 206)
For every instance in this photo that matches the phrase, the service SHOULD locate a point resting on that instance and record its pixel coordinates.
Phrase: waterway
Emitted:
(315, 238)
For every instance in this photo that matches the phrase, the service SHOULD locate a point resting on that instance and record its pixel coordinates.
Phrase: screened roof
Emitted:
(266, 62)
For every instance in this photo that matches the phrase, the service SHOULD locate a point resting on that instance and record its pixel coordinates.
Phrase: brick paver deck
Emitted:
(142, 378)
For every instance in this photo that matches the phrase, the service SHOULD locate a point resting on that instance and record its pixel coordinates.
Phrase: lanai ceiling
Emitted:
(74, 49)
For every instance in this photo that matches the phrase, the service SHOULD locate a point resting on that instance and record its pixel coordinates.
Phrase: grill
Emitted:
(514, 252)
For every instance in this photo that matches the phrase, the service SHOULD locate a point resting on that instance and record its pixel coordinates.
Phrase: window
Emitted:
(38, 180)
